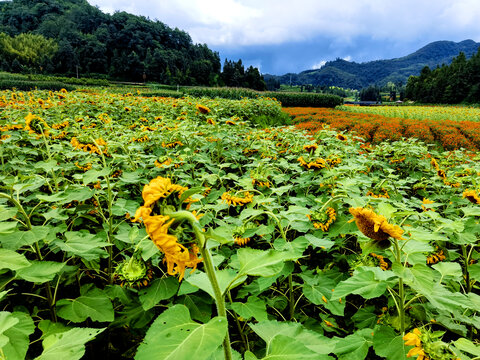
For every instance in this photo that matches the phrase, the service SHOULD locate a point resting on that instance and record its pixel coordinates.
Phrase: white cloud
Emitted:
(319, 64)
(266, 22)
(347, 58)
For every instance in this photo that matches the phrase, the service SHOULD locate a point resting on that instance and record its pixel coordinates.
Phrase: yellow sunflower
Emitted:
(471, 196)
(374, 226)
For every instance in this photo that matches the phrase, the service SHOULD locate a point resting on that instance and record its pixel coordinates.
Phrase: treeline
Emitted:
(456, 83)
(71, 37)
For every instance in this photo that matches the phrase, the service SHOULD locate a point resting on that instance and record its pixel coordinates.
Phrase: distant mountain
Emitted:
(354, 75)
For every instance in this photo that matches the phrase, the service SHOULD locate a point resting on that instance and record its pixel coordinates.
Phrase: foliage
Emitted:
(354, 75)
(456, 83)
(79, 278)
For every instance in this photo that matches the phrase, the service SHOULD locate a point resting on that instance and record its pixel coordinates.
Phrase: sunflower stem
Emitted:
(401, 289)
(210, 270)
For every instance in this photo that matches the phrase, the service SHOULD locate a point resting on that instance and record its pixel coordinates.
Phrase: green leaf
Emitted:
(7, 213)
(314, 341)
(40, 271)
(471, 210)
(317, 242)
(224, 278)
(87, 246)
(159, 289)
(46, 165)
(388, 344)
(353, 347)
(262, 263)
(67, 345)
(254, 307)
(173, 335)
(18, 239)
(12, 260)
(93, 304)
(7, 227)
(17, 347)
(474, 271)
(467, 346)
(364, 283)
(450, 270)
(93, 175)
(7, 321)
(287, 348)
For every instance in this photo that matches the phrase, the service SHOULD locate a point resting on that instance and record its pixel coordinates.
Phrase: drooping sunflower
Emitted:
(237, 200)
(178, 256)
(202, 109)
(36, 125)
(471, 196)
(376, 227)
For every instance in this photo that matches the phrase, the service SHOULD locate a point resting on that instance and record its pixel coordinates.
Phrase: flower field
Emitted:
(156, 228)
(375, 124)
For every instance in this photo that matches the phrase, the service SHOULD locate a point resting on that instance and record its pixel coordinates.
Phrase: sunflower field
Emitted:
(160, 228)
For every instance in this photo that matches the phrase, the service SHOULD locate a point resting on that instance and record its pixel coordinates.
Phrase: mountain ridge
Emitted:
(350, 74)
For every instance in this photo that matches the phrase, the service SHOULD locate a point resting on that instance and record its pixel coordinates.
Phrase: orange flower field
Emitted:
(451, 135)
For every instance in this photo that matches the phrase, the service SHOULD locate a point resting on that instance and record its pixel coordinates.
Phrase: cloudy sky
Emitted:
(281, 36)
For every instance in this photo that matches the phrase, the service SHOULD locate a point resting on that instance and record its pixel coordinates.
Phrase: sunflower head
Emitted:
(375, 227)
(471, 196)
(202, 109)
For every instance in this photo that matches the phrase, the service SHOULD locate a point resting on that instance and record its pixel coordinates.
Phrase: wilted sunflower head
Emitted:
(376, 227)
(202, 109)
(472, 196)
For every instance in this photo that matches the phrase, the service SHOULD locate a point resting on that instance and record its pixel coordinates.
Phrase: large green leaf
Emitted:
(17, 347)
(388, 344)
(67, 345)
(7, 320)
(83, 244)
(315, 342)
(287, 348)
(262, 262)
(254, 307)
(40, 271)
(467, 346)
(225, 280)
(364, 282)
(12, 260)
(93, 304)
(159, 289)
(173, 336)
(355, 346)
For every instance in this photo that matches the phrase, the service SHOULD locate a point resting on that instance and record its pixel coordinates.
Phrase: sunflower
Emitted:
(36, 125)
(310, 148)
(341, 137)
(177, 256)
(413, 339)
(160, 188)
(374, 226)
(323, 220)
(426, 201)
(237, 200)
(471, 196)
(202, 109)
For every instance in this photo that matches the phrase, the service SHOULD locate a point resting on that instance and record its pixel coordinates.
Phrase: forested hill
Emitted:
(354, 75)
(69, 35)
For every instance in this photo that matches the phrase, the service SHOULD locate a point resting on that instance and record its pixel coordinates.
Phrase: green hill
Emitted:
(354, 75)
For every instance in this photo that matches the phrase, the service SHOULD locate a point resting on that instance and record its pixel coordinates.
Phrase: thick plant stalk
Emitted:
(210, 270)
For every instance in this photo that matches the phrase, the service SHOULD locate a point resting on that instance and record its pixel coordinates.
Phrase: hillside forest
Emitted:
(71, 37)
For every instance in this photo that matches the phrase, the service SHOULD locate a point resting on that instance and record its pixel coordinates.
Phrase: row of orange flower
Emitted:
(451, 135)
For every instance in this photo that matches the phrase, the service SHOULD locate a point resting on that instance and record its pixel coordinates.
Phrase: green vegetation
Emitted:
(75, 39)
(352, 75)
(456, 83)
(156, 228)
